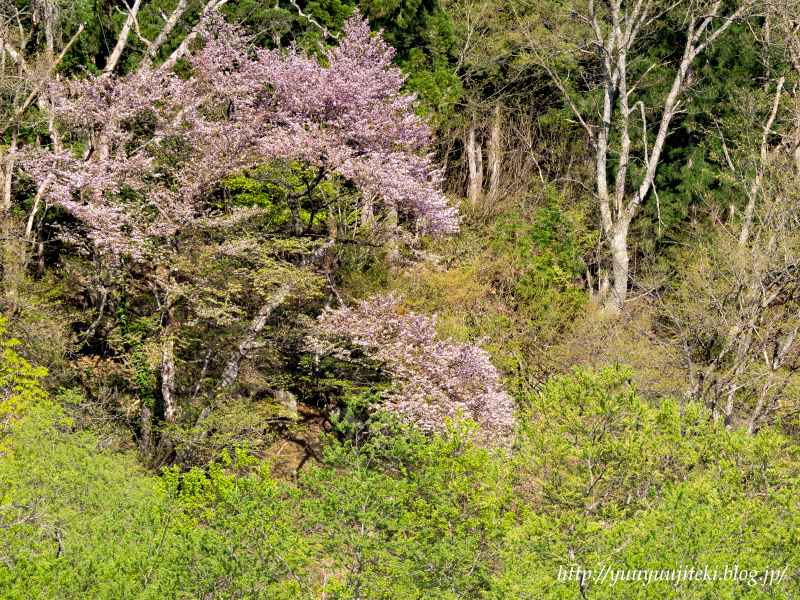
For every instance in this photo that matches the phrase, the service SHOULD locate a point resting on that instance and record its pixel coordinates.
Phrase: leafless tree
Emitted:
(616, 124)
(735, 317)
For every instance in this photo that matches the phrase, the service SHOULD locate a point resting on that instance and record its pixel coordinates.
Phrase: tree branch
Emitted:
(325, 31)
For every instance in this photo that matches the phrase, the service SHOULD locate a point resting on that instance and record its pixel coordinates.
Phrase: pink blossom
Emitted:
(433, 380)
(155, 144)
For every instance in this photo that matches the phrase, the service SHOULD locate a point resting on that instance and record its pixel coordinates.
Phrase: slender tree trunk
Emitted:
(147, 433)
(392, 223)
(210, 8)
(166, 444)
(11, 260)
(113, 59)
(168, 370)
(475, 160)
(297, 222)
(755, 189)
(367, 209)
(50, 15)
(495, 152)
(163, 35)
(248, 343)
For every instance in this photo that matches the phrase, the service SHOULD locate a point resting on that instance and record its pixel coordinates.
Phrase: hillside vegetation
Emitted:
(482, 299)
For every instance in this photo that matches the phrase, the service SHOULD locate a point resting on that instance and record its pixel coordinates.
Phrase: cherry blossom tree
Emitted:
(168, 141)
(143, 154)
(433, 380)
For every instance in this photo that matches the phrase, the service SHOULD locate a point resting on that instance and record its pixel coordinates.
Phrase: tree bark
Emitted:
(11, 259)
(495, 153)
(475, 161)
(113, 59)
(367, 209)
(168, 370)
(393, 255)
(50, 17)
(755, 189)
(248, 343)
(209, 9)
(619, 266)
(163, 35)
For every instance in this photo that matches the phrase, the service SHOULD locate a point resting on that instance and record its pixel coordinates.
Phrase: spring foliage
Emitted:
(598, 476)
(20, 387)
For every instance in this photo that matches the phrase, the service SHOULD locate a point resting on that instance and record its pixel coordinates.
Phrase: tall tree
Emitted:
(735, 315)
(154, 146)
(607, 100)
(25, 67)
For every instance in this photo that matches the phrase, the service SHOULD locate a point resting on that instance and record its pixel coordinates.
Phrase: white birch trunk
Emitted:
(495, 153)
(615, 29)
(475, 161)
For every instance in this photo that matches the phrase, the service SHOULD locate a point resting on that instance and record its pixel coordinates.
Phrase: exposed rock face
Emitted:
(288, 401)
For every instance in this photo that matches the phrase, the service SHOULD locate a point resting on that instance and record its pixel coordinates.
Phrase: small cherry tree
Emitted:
(433, 380)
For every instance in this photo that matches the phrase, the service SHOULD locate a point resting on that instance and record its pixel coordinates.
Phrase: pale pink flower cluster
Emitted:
(433, 380)
(153, 145)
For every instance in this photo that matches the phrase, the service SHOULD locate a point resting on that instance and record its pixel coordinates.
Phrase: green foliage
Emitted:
(596, 477)
(545, 251)
(537, 264)
(614, 481)
(75, 522)
(21, 392)
(404, 515)
(689, 174)
(134, 333)
(266, 187)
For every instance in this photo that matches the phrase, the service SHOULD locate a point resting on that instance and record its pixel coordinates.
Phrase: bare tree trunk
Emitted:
(163, 35)
(209, 9)
(755, 189)
(153, 47)
(168, 370)
(40, 244)
(9, 170)
(495, 153)
(113, 59)
(147, 432)
(11, 260)
(248, 343)
(475, 160)
(619, 266)
(50, 16)
(391, 223)
(615, 28)
(367, 209)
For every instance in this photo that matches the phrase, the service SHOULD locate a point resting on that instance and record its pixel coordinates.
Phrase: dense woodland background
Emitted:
(273, 328)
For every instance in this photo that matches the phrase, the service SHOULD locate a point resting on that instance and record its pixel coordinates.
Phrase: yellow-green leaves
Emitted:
(20, 387)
